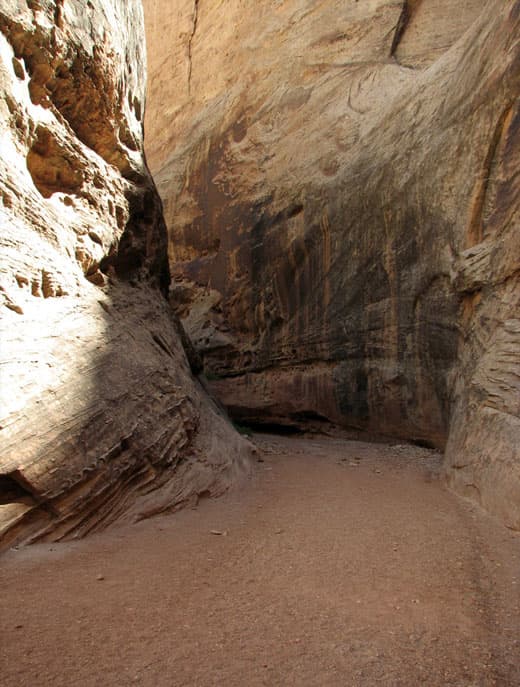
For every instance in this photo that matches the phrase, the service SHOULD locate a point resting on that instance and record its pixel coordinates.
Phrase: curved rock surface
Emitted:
(101, 416)
(341, 190)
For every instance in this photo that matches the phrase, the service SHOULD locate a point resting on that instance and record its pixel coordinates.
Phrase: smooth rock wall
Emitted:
(340, 190)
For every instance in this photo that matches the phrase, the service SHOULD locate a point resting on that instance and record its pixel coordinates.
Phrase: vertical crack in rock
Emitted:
(480, 195)
(400, 28)
(195, 19)
(58, 14)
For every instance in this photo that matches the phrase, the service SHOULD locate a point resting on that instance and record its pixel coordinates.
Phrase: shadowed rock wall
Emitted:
(340, 190)
(101, 417)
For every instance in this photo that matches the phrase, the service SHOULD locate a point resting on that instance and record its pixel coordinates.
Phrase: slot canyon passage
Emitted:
(321, 249)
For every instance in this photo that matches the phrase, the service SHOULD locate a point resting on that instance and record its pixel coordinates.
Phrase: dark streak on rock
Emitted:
(401, 26)
(474, 232)
(162, 345)
(190, 40)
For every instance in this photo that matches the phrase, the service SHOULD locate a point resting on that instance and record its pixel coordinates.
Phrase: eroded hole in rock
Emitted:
(76, 83)
(86, 98)
(284, 427)
(53, 166)
(423, 443)
(12, 490)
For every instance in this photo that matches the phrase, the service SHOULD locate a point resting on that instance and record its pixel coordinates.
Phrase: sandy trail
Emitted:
(341, 563)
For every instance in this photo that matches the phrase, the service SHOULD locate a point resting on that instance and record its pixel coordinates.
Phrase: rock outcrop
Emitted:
(101, 417)
(342, 198)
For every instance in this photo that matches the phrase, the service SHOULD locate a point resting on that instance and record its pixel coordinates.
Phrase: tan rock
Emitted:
(101, 418)
(341, 193)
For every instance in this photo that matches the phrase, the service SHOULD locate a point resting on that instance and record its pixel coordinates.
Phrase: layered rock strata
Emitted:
(101, 417)
(341, 193)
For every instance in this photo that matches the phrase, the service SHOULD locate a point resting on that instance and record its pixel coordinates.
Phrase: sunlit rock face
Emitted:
(341, 195)
(101, 416)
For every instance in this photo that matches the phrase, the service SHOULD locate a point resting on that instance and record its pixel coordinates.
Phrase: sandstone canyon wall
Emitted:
(101, 417)
(341, 191)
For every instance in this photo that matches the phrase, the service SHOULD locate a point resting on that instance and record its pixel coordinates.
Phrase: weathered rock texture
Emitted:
(101, 416)
(341, 190)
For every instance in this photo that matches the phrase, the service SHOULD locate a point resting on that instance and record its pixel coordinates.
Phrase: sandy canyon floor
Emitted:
(339, 563)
